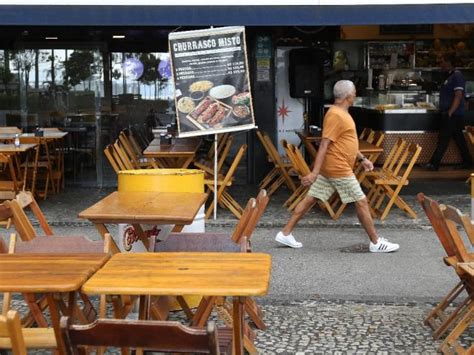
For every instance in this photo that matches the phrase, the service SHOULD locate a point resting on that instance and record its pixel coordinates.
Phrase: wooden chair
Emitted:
(455, 221)
(135, 156)
(439, 319)
(57, 149)
(161, 336)
(279, 174)
(333, 206)
(208, 165)
(221, 139)
(309, 145)
(10, 185)
(375, 138)
(470, 134)
(109, 153)
(387, 184)
(223, 182)
(19, 340)
(42, 166)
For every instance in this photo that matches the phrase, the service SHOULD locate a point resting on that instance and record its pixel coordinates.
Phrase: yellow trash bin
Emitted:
(167, 180)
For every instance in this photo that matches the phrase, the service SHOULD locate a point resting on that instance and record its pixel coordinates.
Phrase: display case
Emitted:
(391, 55)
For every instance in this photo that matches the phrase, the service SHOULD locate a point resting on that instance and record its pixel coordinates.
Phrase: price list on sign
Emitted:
(263, 54)
(211, 81)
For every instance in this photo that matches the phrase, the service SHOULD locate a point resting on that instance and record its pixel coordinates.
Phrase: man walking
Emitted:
(451, 105)
(332, 171)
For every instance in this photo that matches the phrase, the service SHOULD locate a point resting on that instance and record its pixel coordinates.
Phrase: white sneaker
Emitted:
(287, 240)
(383, 246)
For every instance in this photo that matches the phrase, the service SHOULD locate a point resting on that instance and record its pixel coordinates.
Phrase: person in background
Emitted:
(332, 171)
(451, 105)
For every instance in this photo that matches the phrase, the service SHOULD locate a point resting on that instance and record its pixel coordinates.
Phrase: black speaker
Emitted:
(306, 73)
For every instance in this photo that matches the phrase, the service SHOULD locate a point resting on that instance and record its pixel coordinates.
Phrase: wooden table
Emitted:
(46, 136)
(135, 208)
(179, 154)
(49, 274)
(239, 275)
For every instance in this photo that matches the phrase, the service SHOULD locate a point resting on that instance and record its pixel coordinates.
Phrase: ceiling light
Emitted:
(118, 36)
(51, 38)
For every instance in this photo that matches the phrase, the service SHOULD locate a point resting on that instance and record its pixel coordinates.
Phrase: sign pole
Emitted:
(215, 176)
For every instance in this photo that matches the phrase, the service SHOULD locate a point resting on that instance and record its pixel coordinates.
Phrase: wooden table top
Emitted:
(34, 273)
(146, 207)
(12, 149)
(180, 147)
(468, 268)
(209, 274)
(46, 135)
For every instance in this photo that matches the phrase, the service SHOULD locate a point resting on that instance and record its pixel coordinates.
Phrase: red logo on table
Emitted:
(130, 236)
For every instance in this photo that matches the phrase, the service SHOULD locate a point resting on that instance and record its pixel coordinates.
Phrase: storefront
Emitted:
(96, 69)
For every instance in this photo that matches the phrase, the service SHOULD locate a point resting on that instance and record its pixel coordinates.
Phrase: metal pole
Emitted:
(215, 176)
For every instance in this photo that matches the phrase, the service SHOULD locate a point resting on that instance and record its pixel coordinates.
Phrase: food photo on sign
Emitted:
(211, 81)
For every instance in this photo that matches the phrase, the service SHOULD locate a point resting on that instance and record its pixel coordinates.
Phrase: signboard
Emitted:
(289, 111)
(211, 79)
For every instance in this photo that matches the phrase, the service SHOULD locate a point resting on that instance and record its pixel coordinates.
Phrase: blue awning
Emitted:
(75, 15)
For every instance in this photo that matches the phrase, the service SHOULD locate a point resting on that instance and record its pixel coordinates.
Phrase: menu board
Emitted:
(211, 78)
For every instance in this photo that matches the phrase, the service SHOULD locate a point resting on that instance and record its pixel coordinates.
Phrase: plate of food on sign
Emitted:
(209, 113)
(241, 106)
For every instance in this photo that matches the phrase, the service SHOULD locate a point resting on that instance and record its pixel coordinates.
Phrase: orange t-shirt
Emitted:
(339, 127)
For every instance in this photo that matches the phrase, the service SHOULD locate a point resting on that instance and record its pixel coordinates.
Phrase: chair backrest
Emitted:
(394, 154)
(22, 224)
(25, 199)
(378, 138)
(435, 216)
(241, 226)
(111, 157)
(164, 336)
(407, 161)
(366, 134)
(221, 140)
(224, 153)
(309, 145)
(233, 167)
(262, 200)
(470, 134)
(122, 156)
(296, 159)
(129, 150)
(454, 218)
(10, 327)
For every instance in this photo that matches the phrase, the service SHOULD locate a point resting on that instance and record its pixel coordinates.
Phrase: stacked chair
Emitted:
(386, 183)
(224, 177)
(126, 153)
(280, 173)
(447, 223)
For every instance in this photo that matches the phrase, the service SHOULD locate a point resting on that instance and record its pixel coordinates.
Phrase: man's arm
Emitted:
(458, 96)
(311, 177)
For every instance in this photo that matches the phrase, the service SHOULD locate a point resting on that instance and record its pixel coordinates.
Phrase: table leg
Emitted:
(177, 228)
(141, 234)
(102, 229)
(238, 321)
(53, 310)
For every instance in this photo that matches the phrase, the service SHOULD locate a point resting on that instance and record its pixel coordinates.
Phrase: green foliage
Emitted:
(78, 68)
(150, 68)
